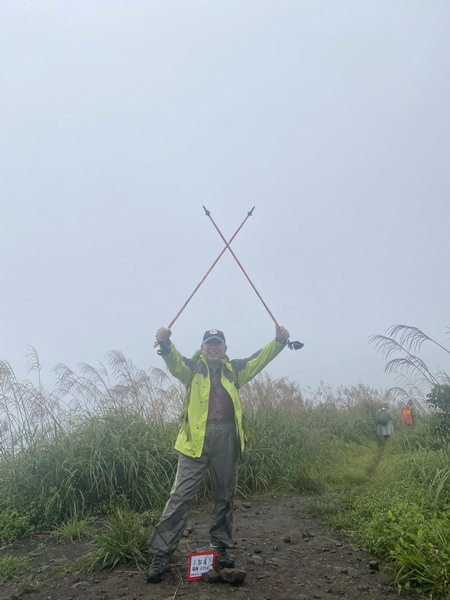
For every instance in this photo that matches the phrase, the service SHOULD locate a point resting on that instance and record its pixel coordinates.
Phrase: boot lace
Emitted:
(159, 562)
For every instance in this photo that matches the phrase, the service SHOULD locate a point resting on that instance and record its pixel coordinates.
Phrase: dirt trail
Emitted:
(287, 555)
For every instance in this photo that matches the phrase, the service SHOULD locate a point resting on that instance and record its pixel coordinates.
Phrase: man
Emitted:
(211, 437)
(385, 422)
(407, 414)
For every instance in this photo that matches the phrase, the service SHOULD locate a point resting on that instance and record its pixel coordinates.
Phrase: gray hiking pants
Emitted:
(220, 454)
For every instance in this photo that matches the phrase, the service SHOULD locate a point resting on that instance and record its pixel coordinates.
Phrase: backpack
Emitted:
(382, 417)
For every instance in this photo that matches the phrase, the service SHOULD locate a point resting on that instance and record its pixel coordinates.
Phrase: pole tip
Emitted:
(207, 213)
(250, 212)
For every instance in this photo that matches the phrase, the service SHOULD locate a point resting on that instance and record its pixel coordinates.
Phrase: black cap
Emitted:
(213, 334)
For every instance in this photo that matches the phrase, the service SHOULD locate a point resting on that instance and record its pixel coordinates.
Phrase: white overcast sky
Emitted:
(120, 119)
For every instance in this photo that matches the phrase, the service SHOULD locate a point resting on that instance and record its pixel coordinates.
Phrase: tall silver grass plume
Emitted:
(404, 341)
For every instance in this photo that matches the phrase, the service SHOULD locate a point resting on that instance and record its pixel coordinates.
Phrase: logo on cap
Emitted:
(214, 334)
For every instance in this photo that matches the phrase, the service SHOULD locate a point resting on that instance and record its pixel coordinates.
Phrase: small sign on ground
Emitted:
(199, 563)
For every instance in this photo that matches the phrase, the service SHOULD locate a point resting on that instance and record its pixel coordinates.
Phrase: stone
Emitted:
(256, 559)
(233, 576)
(79, 583)
(374, 565)
(211, 576)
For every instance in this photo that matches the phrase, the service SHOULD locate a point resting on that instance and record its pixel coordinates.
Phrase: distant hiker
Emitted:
(385, 422)
(407, 414)
(212, 437)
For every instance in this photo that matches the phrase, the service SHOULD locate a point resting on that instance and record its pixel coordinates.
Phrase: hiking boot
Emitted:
(224, 561)
(158, 567)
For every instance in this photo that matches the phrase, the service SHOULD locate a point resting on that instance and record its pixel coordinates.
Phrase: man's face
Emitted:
(214, 351)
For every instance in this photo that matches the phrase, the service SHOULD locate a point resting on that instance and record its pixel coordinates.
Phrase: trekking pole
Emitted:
(292, 345)
(249, 214)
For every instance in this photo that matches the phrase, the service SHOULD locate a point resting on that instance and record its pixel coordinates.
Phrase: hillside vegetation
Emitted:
(101, 444)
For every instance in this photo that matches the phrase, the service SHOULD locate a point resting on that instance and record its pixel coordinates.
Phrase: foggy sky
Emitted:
(121, 119)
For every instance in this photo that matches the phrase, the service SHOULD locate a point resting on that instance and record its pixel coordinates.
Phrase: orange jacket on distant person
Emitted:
(407, 417)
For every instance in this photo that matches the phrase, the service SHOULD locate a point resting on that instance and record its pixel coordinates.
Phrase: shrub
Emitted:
(15, 524)
(439, 398)
(124, 540)
(12, 566)
(74, 529)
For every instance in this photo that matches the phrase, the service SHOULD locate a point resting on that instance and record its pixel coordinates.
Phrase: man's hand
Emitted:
(163, 336)
(281, 334)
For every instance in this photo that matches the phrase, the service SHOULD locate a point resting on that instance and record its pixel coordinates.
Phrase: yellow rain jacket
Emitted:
(194, 374)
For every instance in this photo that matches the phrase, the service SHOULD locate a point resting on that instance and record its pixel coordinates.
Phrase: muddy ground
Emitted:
(286, 554)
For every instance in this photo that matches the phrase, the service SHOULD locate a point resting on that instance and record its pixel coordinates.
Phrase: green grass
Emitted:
(101, 462)
(114, 450)
(123, 540)
(11, 566)
(16, 523)
(402, 514)
(349, 464)
(74, 529)
(102, 444)
(27, 587)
